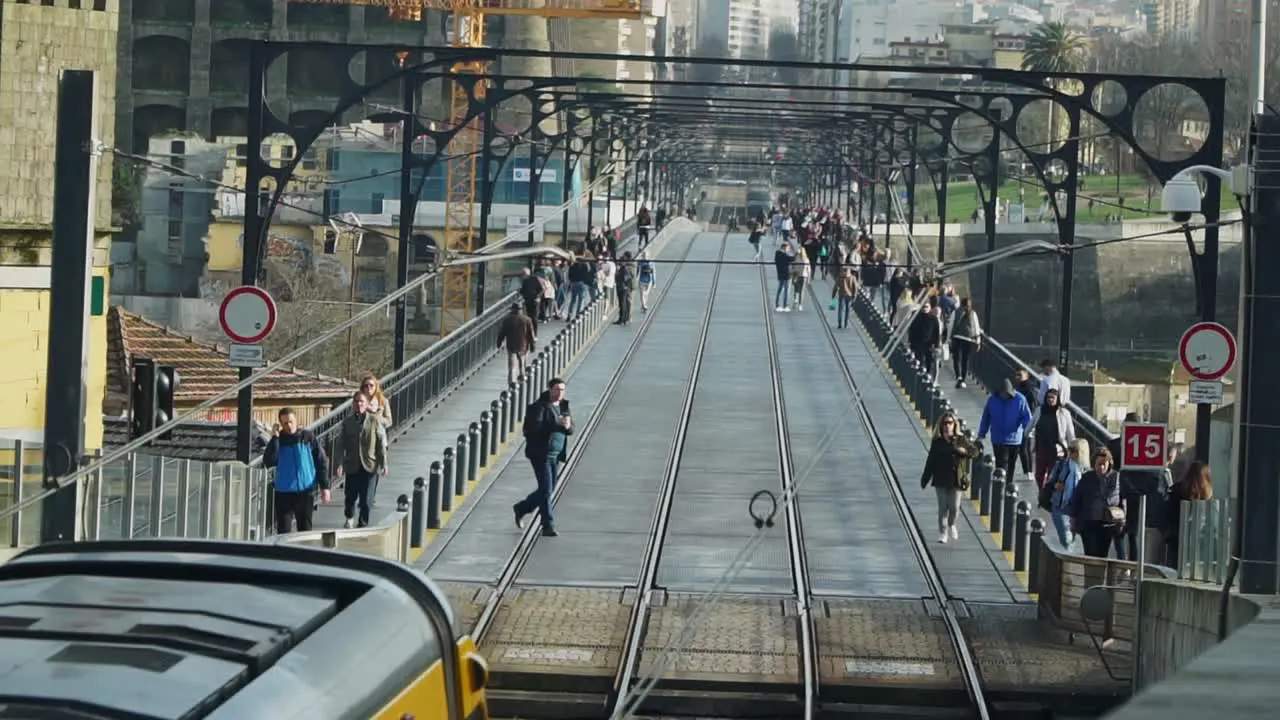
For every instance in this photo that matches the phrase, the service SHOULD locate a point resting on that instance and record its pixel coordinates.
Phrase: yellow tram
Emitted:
(170, 629)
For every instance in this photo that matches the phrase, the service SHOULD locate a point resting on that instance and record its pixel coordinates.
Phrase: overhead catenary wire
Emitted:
(284, 363)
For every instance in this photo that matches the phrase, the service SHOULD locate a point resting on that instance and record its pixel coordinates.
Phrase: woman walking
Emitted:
(947, 469)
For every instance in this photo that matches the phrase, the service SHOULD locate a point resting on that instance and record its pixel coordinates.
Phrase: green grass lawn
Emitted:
(963, 199)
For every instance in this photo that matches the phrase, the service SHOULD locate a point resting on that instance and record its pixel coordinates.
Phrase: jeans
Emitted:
(624, 305)
(1006, 459)
(960, 350)
(645, 288)
(797, 290)
(358, 489)
(1062, 524)
(780, 297)
(544, 471)
(578, 298)
(948, 507)
(532, 309)
(843, 310)
(291, 506)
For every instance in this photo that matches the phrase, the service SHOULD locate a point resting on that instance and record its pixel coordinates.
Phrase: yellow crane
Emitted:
(463, 164)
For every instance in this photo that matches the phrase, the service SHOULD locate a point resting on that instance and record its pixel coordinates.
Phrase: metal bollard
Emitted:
(504, 416)
(557, 354)
(495, 411)
(514, 409)
(1022, 541)
(447, 475)
(981, 477)
(460, 463)
(417, 513)
(473, 452)
(1036, 544)
(434, 493)
(1010, 505)
(432, 487)
(997, 500)
(485, 451)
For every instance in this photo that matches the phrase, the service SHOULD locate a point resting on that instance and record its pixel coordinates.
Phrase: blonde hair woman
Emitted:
(800, 273)
(379, 405)
(947, 469)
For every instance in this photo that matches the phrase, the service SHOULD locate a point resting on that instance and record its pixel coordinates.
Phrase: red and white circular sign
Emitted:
(1207, 351)
(247, 315)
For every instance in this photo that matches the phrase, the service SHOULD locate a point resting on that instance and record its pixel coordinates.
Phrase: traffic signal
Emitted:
(142, 397)
(167, 382)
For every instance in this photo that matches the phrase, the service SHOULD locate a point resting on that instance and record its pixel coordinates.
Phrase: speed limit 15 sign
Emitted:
(1143, 446)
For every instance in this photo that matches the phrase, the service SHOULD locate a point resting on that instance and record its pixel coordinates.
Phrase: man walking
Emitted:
(547, 424)
(625, 281)
(1007, 417)
(301, 467)
(361, 456)
(516, 334)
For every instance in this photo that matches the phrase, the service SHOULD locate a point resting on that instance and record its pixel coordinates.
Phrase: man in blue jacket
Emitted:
(301, 469)
(1007, 417)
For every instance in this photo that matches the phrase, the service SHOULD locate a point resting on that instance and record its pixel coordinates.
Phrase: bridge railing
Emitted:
(145, 495)
(389, 541)
(1068, 588)
(141, 496)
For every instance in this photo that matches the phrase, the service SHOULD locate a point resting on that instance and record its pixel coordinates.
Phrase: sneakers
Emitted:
(943, 537)
(960, 385)
(954, 532)
(350, 523)
(549, 532)
(515, 510)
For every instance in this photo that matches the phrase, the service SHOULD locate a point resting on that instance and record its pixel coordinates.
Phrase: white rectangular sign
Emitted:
(247, 356)
(1204, 392)
(523, 175)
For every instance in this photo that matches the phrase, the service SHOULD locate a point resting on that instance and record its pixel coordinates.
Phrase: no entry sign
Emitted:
(1207, 351)
(247, 315)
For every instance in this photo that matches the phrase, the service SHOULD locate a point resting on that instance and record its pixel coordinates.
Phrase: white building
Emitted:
(864, 28)
(742, 25)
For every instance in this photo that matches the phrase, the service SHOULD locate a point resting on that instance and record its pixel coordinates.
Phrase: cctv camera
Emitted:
(1181, 198)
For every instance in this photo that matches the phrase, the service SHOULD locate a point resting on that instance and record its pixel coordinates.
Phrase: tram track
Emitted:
(802, 587)
(520, 556)
(942, 600)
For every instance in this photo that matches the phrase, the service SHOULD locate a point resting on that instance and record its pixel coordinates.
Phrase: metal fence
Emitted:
(146, 495)
(1205, 529)
(141, 496)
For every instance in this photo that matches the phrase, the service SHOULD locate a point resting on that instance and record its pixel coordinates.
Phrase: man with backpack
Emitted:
(647, 277)
(547, 425)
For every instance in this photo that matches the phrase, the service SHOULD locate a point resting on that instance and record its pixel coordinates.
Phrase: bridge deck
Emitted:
(562, 627)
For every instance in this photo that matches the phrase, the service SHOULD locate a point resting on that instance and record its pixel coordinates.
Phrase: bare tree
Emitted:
(312, 301)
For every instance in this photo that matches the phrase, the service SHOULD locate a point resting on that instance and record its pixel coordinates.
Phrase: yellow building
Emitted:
(37, 42)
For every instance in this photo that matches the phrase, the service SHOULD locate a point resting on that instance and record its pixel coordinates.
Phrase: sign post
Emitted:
(247, 316)
(1143, 446)
(1207, 352)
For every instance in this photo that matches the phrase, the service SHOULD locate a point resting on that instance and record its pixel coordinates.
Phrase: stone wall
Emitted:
(37, 42)
(1129, 297)
(1179, 622)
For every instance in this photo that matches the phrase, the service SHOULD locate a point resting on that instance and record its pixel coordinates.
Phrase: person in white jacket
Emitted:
(966, 338)
(1055, 432)
(1051, 379)
(606, 272)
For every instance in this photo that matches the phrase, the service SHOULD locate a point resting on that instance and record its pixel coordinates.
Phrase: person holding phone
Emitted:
(301, 470)
(547, 425)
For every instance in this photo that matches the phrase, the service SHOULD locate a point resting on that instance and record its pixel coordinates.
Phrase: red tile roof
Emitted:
(202, 367)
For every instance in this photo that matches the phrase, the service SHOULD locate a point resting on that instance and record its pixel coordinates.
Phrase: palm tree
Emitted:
(1054, 48)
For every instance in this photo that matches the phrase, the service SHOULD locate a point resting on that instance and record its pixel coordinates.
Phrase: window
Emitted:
(309, 160)
(333, 160)
(242, 153)
(175, 230)
(331, 200)
(286, 152)
(375, 203)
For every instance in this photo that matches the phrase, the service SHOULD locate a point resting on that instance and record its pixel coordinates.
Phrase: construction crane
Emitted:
(463, 162)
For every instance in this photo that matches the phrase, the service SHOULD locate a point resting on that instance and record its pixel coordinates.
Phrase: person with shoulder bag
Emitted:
(1097, 508)
(947, 469)
(1060, 486)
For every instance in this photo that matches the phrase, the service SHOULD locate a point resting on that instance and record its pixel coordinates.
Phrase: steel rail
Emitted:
(969, 669)
(625, 674)
(791, 510)
(524, 548)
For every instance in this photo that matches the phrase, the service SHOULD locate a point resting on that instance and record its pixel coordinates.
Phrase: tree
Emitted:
(1232, 61)
(1159, 113)
(313, 300)
(784, 46)
(1054, 48)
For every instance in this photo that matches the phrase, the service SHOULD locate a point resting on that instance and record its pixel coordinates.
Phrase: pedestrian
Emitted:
(531, 292)
(843, 293)
(647, 276)
(947, 469)
(625, 281)
(301, 469)
(1097, 509)
(360, 456)
(1007, 417)
(547, 425)
(516, 335)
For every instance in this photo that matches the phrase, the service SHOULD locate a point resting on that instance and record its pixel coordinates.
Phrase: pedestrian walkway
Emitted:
(975, 568)
(413, 452)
